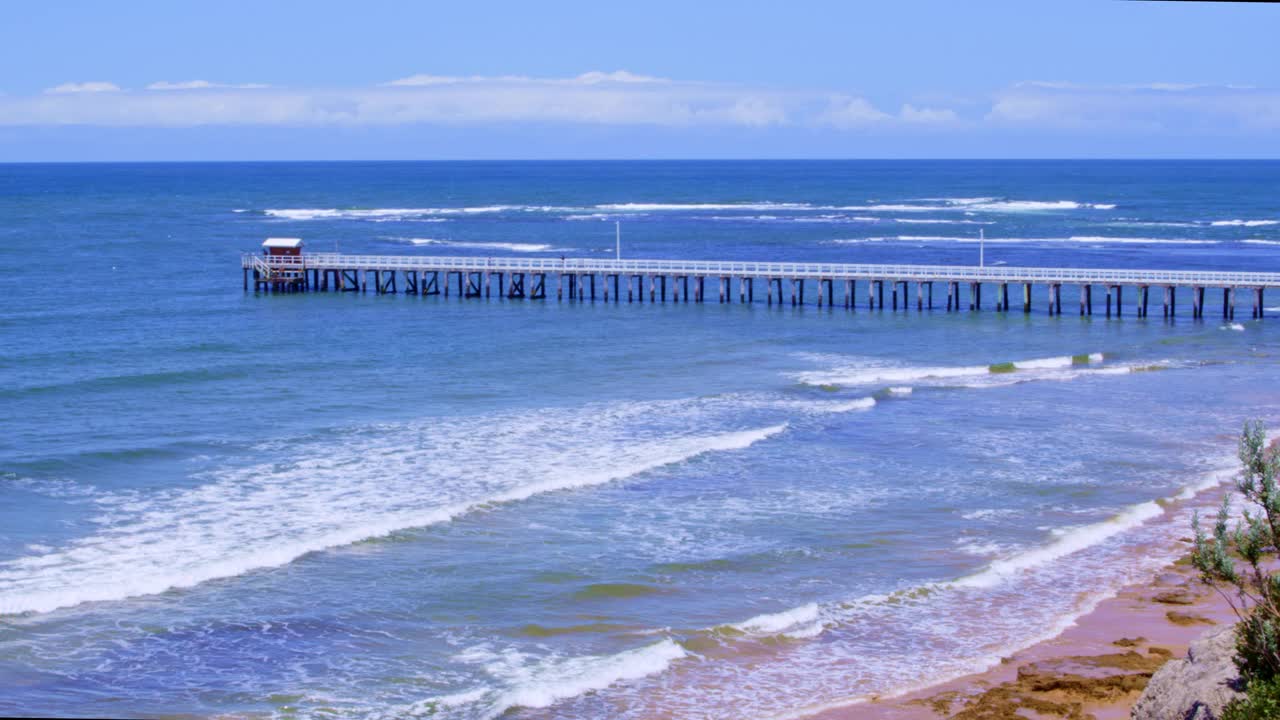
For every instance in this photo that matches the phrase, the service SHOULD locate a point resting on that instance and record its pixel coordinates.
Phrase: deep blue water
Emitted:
(214, 502)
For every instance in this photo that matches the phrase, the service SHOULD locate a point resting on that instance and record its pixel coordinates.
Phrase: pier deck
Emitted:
(519, 277)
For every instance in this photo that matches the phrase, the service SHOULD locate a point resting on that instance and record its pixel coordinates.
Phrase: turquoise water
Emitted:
(213, 502)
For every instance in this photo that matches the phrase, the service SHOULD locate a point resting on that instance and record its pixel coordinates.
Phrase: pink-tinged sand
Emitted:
(1135, 612)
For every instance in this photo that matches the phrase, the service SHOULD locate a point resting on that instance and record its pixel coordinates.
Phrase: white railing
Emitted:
(826, 271)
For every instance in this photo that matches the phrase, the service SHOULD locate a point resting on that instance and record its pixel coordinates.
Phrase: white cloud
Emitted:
(614, 98)
(84, 87)
(927, 116)
(1163, 107)
(622, 98)
(846, 112)
(594, 77)
(617, 76)
(201, 85)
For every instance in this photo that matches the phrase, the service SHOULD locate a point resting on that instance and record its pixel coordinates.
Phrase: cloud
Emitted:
(1172, 108)
(849, 113)
(846, 112)
(601, 98)
(621, 98)
(927, 116)
(588, 78)
(201, 85)
(84, 87)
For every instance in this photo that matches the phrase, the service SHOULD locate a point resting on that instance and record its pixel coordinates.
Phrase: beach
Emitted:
(1096, 668)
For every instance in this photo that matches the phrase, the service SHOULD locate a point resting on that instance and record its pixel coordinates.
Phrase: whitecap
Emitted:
(1244, 223)
(542, 683)
(1069, 542)
(1044, 363)
(513, 247)
(657, 207)
(331, 493)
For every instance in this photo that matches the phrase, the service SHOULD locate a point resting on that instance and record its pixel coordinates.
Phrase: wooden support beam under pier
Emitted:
(325, 272)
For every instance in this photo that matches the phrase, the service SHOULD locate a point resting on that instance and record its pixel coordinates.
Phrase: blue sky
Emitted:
(378, 80)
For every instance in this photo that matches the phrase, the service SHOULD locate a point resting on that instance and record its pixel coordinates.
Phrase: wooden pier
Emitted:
(830, 284)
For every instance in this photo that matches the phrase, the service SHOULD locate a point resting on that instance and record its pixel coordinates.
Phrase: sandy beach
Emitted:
(1097, 668)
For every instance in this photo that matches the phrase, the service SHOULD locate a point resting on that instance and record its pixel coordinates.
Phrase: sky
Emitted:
(321, 80)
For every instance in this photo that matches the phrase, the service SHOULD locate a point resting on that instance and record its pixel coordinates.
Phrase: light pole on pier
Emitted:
(617, 238)
(982, 243)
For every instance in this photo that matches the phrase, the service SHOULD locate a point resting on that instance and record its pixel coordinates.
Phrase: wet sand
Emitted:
(1097, 668)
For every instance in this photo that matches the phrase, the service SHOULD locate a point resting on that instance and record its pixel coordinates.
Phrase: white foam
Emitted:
(901, 390)
(542, 683)
(894, 207)
(1233, 326)
(1261, 242)
(939, 221)
(548, 684)
(1138, 240)
(1021, 206)
(394, 214)
(861, 371)
(1029, 205)
(979, 548)
(1153, 223)
(1044, 363)
(871, 373)
(656, 207)
(1244, 223)
(989, 513)
(1071, 541)
(513, 247)
(1211, 480)
(330, 493)
(779, 623)
(1082, 239)
(851, 405)
(963, 201)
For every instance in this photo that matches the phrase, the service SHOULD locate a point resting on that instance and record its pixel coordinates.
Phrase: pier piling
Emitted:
(475, 278)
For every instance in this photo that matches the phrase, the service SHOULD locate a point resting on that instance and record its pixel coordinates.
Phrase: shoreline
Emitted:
(1096, 667)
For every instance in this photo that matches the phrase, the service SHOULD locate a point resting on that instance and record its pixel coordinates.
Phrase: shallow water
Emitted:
(381, 506)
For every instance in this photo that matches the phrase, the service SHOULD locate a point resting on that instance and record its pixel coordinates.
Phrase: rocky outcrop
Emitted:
(1197, 688)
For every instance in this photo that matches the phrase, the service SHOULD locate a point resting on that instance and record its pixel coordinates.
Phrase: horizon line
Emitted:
(648, 160)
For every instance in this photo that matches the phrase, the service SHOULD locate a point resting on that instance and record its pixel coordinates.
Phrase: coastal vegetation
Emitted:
(1239, 562)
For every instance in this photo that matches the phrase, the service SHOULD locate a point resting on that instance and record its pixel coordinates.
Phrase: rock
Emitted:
(1197, 688)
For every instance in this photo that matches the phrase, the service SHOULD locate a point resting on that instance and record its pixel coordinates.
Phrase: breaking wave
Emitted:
(513, 247)
(522, 682)
(335, 492)
(1082, 239)
(1244, 223)
(859, 371)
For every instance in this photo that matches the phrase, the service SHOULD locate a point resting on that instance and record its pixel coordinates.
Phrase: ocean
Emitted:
(215, 503)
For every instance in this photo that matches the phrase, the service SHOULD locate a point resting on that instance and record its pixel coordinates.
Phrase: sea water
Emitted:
(350, 505)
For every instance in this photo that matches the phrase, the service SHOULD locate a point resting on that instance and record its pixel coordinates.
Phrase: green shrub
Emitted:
(1261, 702)
(1235, 561)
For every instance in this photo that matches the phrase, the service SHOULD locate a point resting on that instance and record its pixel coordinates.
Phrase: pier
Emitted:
(830, 285)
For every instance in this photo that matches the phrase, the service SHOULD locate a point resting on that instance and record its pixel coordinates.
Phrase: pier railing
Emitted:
(798, 270)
